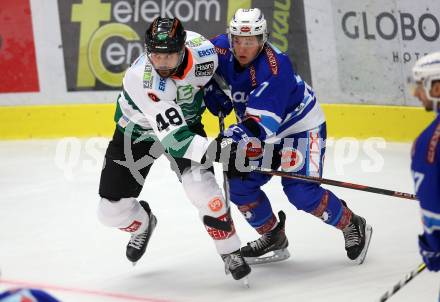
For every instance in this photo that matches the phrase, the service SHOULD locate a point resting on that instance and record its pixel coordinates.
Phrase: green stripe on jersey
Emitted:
(177, 142)
(129, 100)
(128, 127)
(118, 111)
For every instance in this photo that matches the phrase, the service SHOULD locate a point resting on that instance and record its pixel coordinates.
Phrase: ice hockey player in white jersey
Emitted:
(159, 113)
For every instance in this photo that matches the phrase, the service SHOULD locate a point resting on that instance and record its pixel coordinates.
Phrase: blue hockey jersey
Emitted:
(268, 90)
(28, 295)
(426, 173)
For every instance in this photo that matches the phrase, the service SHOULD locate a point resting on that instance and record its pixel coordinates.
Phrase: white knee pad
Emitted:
(202, 190)
(125, 214)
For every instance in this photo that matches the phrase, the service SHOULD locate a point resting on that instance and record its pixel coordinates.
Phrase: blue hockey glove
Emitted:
(216, 100)
(429, 255)
(219, 106)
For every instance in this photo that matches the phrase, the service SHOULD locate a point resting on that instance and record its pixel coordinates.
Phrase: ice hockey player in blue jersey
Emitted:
(274, 105)
(426, 159)
(25, 294)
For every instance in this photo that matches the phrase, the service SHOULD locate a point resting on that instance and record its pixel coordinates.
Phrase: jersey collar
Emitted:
(188, 66)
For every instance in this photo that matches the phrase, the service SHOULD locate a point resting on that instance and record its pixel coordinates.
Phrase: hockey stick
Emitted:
(221, 125)
(411, 275)
(336, 183)
(222, 84)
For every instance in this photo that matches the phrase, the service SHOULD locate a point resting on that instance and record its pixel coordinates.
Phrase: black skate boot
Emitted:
(357, 237)
(138, 243)
(236, 265)
(273, 241)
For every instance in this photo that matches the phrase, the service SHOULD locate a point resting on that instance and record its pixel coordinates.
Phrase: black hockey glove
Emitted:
(224, 150)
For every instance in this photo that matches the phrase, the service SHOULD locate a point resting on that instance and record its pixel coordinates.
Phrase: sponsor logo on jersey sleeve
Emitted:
(196, 42)
(253, 75)
(161, 84)
(221, 50)
(206, 52)
(432, 147)
(273, 62)
(204, 69)
(148, 77)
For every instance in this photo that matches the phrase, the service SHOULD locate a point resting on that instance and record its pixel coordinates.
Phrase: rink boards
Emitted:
(393, 123)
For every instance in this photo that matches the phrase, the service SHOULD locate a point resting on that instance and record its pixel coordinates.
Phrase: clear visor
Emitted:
(413, 85)
(425, 84)
(164, 61)
(245, 41)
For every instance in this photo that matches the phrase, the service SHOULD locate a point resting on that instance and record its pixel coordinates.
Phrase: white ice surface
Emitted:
(50, 236)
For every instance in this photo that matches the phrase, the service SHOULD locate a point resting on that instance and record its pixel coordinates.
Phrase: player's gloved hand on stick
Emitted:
(217, 102)
(223, 107)
(224, 150)
(430, 256)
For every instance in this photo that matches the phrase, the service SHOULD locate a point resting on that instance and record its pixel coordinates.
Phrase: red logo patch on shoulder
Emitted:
(271, 57)
(153, 97)
(220, 50)
(432, 146)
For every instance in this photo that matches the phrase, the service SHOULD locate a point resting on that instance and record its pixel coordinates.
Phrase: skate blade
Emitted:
(134, 263)
(246, 282)
(361, 258)
(277, 256)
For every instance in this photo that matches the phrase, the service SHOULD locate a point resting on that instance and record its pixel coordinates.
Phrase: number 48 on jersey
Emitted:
(172, 117)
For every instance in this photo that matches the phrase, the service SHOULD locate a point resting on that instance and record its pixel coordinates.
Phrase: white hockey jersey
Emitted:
(154, 108)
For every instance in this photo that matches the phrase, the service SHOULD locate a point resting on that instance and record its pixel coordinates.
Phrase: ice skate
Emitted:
(271, 247)
(236, 265)
(357, 237)
(138, 243)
